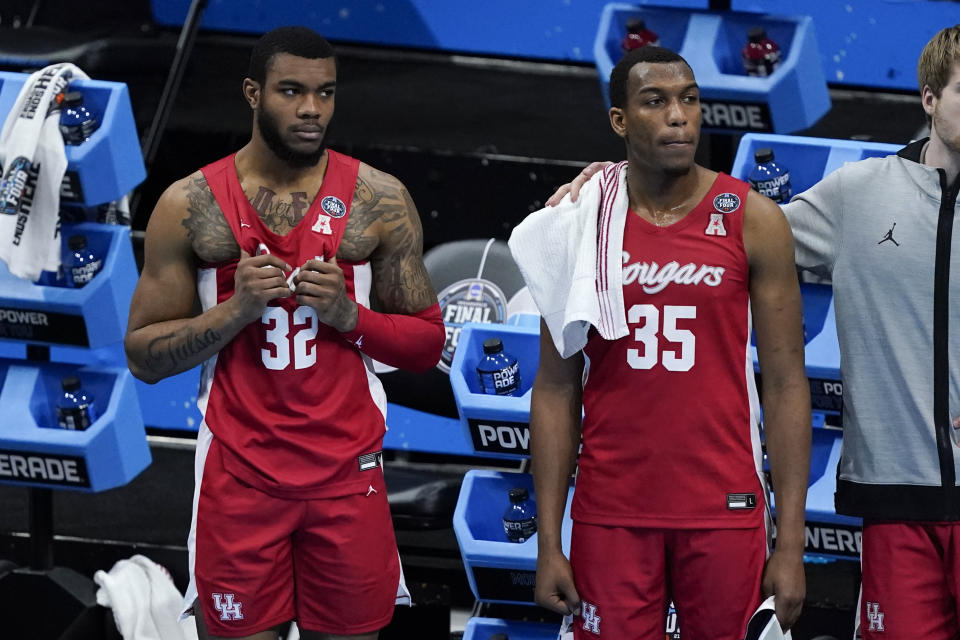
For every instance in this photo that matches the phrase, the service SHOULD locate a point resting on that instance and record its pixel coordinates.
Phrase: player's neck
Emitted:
(940, 156)
(257, 159)
(655, 190)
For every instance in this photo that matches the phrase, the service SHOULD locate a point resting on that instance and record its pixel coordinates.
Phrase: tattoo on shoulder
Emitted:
(360, 237)
(401, 280)
(209, 233)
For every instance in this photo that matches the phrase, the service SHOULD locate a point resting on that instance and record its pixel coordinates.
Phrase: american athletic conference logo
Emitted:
(333, 206)
(726, 202)
(229, 610)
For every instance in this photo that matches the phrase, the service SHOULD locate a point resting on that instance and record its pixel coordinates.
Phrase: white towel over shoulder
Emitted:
(571, 259)
(33, 162)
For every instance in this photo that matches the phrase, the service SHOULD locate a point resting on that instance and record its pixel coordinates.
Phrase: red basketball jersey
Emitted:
(292, 403)
(670, 435)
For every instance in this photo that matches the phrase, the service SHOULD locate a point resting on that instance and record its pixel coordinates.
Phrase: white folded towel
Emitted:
(571, 257)
(33, 162)
(144, 600)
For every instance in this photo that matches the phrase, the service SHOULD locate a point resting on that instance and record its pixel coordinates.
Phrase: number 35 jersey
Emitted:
(295, 408)
(670, 430)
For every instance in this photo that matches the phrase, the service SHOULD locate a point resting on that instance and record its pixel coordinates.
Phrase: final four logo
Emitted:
(474, 300)
(333, 206)
(726, 202)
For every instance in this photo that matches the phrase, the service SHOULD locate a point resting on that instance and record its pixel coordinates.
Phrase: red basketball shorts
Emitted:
(911, 581)
(330, 563)
(625, 577)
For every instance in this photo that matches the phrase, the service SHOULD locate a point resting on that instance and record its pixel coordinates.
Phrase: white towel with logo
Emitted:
(33, 162)
(144, 600)
(571, 257)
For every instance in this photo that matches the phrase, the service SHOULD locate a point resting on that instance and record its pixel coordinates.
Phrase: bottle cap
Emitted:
(636, 25)
(756, 34)
(763, 155)
(492, 345)
(73, 99)
(518, 494)
(70, 383)
(77, 242)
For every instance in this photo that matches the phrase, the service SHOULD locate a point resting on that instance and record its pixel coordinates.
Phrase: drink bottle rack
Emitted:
(67, 327)
(793, 97)
(92, 317)
(498, 426)
(35, 452)
(106, 166)
(49, 332)
(808, 159)
(498, 571)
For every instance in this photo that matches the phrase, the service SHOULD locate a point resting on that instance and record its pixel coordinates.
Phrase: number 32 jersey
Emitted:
(291, 403)
(670, 430)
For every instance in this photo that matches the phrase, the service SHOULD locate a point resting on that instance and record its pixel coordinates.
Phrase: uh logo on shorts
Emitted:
(875, 616)
(229, 610)
(591, 619)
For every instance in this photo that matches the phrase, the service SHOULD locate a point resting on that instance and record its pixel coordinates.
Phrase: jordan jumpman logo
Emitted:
(889, 236)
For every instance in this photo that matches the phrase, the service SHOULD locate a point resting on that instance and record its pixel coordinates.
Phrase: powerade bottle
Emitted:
(81, 263)
(520, 518)
(761, 55)
(499, 372)
(75, 409)
(76, 121)
(769, 178)
(638, 36)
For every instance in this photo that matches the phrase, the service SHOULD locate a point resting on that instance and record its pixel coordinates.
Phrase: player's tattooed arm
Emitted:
(210, 235)
(360, 238)
(167, 352)
(401, 281)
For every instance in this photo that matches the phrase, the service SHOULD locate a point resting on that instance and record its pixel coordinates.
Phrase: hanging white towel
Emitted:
(143, 598)
(570, 256)
(33, 162)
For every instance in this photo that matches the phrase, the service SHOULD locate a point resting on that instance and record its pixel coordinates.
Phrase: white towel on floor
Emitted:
(33, 162)
(143, 598)
(571, 257)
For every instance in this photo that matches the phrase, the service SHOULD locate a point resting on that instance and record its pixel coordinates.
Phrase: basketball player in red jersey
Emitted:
(260, 267)
(669, 499)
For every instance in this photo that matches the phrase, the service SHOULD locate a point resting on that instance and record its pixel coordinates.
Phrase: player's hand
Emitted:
(783, 577)
(573, 188)
(320, 285)
(257, 281)
(555, 589)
